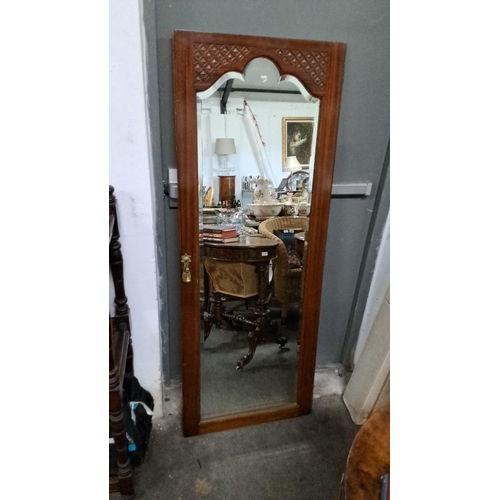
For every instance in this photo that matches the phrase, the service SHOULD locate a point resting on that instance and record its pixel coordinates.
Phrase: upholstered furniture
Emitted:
(120, 361)
(287, 275)
(237, 279)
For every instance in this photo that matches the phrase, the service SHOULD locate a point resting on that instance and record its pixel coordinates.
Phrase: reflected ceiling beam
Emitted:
(228, 88)
(225, 96)
(264, 91)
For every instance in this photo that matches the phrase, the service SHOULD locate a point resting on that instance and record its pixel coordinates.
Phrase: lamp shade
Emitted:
(225, 147)
(291, 164)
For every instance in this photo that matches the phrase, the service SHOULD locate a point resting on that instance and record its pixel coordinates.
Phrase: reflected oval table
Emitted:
(260, 252)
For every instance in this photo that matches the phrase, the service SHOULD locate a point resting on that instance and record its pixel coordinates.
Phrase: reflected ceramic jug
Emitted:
(290, 209)
(304, 208)
(264, 192)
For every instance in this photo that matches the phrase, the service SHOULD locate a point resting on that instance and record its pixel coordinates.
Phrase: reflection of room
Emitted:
(254, 120)
(243, 135)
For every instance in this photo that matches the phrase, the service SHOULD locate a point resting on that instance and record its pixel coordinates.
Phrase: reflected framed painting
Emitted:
(297, 134)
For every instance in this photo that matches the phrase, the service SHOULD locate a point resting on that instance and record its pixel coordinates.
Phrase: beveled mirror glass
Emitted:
(262, 113)
(244, 108)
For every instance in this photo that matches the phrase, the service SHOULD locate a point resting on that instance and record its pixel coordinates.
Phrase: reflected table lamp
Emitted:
(225, 147)
(291, 165)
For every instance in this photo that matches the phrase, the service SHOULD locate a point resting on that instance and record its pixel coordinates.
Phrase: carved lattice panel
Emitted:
(313, 63)
(212, 60)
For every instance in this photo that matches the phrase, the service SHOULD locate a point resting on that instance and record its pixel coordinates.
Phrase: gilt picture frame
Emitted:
(297, 134)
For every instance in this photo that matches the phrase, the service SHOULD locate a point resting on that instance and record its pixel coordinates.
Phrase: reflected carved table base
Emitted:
(262, 326)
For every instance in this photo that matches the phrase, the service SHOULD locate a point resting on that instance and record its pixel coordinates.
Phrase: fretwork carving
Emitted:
(211, 61)
(313, 63)
(209, 58)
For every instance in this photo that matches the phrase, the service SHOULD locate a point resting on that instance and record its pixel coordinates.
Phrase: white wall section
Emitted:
(130, 174)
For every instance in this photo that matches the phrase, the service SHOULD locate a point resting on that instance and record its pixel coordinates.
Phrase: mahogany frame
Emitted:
(199, 60)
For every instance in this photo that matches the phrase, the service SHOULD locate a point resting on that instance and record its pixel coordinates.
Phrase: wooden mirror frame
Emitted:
(199, 60)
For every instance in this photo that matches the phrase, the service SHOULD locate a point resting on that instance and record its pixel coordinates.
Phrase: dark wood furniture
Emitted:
(300, 240)
(120, 360)
(199, 60)
(259, 252)
(369, 458)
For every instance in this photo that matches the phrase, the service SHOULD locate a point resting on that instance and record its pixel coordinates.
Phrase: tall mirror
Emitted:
(256, 122)
(256, 136)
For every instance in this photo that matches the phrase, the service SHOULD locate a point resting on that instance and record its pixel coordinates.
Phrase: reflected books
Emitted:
(220, 240)
(216, 231)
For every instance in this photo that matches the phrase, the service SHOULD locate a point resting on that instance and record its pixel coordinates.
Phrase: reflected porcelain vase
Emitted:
(290, 209)
(264, 192)
(304, 209)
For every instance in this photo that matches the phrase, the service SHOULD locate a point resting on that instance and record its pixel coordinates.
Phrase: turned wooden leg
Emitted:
(264, 326)
(116, 268)
(261, 311)
(208, 321)
(125, 482)
(117, 426)
(215, 315)
(283, 313)
(218, 307)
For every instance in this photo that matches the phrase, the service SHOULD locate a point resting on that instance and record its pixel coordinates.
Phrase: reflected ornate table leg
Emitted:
(263, 324)
(215, 315)
(251, 250)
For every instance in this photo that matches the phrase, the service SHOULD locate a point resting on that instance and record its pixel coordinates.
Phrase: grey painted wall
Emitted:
(362, 141)
(149, 18)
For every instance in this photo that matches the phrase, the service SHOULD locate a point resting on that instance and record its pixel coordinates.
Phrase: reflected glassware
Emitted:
(231, 217)
(224, 215)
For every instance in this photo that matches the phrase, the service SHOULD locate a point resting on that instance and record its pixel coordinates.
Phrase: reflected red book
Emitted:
(217, 231)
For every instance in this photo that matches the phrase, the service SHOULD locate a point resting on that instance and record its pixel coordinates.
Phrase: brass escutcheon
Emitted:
(186, 273)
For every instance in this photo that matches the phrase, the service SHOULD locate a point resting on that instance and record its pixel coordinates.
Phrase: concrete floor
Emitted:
(300, 458)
